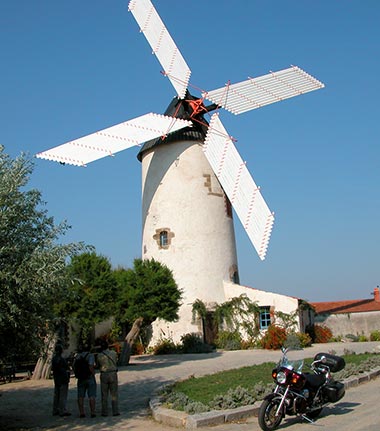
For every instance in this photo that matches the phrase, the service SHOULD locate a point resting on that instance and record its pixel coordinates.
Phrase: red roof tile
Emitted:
(352, 306)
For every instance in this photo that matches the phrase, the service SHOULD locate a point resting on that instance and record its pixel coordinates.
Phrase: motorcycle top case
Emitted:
(335, 363)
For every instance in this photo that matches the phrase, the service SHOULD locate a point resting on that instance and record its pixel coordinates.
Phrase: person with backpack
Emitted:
(107, 364)
(61, 376)
(84, 370)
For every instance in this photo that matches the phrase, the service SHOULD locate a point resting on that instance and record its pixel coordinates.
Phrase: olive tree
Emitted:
(32, 262)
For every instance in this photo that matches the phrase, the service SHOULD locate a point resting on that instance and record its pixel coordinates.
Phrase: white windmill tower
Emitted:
(192, 172)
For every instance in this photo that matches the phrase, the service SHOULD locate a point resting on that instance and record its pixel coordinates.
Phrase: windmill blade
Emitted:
(264, 90)
(162, 44)
(239, 186)
(109, 141)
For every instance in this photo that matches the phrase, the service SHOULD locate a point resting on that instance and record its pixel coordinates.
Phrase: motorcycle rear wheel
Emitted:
(268, 420)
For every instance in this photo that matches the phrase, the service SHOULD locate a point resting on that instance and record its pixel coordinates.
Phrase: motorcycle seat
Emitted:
(315, 380)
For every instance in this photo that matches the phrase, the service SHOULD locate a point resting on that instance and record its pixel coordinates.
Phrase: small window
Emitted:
(163, 238)
(264, 317)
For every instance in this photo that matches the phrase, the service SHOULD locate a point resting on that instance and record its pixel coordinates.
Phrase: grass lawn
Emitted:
(204, 389)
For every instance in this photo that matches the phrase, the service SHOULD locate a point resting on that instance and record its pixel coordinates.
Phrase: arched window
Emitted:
(163, 238)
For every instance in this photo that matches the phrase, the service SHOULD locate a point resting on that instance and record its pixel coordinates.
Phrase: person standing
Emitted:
(84, 369)
(61, 376)
(107, 363)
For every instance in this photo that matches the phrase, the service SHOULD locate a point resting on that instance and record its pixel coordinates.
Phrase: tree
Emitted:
(32, 262)
(146, 293)
(92, 292)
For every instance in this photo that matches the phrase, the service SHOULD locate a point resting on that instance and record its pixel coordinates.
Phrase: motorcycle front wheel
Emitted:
(268, 420)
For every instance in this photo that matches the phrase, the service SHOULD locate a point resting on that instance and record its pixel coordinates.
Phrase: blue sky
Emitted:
(71, 68)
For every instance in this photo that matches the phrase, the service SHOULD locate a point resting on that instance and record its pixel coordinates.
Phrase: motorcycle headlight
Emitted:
(281, 378)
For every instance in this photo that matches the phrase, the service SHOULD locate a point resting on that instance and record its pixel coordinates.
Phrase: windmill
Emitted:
(192, 172)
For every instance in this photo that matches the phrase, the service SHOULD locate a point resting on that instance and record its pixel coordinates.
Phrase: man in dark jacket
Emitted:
(61, 375)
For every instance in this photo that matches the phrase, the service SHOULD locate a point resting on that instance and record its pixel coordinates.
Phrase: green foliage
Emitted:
(274, 338)
(287, 321)
(166, 346)
(148, 291)
(91, 293)
(240, 396)
(32, 263)
(296, 340)
(375, 335)
(228, 340)
(193, 343)
(235, 315)
(232, 313)
(199, 310)
(305, 339)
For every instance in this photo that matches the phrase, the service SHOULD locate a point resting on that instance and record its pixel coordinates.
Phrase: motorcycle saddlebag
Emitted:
(334, 391)
(335, 363)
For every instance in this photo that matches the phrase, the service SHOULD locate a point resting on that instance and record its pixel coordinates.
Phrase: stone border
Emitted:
(180, 419)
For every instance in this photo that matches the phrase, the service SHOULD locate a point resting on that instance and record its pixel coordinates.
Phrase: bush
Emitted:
(233, 398)
(192, 343)
(305, 339)
(274, 338)
(138, 348)
(375, 336)
(296, 340)
(228, 340)
(321, 334)
(165, 347)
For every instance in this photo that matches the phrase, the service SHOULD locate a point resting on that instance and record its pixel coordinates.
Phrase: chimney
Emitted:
(376, 294)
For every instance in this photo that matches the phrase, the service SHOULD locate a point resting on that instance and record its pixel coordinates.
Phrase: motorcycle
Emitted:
(301, 394)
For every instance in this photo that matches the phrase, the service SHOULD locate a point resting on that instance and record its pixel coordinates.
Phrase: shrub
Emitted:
(274, 338)
(305, 339)
(138, 348)
(296, 340)
(228, 340)
(176, 400)
(375, 335)
(249, 344)
(193, 343)
(165, 347)
(321, 334)
(233, 398)
(292, 341)
(196, 407)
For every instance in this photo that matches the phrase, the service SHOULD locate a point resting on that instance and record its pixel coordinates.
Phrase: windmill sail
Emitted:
(162, 44)
(239, 186)
(109, 141)
(264, 90)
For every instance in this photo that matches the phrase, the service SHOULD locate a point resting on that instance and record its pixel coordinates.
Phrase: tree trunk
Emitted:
(43, 366)
(129, 340)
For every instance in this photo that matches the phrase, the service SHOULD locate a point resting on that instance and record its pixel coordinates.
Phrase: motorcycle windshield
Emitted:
(292, 362)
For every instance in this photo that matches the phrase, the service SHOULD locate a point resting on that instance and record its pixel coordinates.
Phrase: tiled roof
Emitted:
(352, 306)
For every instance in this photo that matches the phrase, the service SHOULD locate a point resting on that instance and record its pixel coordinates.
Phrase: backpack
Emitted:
(81, 368)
